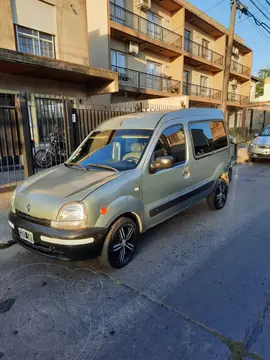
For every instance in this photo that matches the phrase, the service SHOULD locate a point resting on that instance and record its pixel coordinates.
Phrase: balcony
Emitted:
(207, 93)
(240, 71)
(153, 84)
(236, 98)
(211, 59)
(130, 26)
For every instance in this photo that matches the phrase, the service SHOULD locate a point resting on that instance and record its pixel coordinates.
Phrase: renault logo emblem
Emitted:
(28, 207)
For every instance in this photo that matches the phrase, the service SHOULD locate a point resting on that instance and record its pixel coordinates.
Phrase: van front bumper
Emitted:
(60, 244)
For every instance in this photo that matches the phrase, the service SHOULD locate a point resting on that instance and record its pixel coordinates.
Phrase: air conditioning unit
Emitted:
(143, 4)
(235, 52)
(234, 84)
(133, 48)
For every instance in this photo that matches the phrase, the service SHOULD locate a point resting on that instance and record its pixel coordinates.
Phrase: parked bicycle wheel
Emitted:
(44, 159)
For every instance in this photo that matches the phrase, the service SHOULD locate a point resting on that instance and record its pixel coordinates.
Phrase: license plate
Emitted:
(26, 235)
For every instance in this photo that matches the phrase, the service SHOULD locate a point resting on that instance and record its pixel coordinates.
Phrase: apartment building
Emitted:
(44, 49)
(166, 48)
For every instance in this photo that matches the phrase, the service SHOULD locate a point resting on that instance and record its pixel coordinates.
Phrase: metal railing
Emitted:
(202, 91)
(143, 80)
(147, 27)
(239, 68)
(199, 50)
(232, 97)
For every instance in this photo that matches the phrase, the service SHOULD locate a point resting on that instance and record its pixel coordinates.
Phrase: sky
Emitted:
(253, 39)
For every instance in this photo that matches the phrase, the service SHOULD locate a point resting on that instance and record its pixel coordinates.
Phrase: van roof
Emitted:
(150, 120)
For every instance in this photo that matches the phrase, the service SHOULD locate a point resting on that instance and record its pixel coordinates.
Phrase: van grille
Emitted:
(32, 219)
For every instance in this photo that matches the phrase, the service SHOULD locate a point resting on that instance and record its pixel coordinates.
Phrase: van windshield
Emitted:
(115, 150)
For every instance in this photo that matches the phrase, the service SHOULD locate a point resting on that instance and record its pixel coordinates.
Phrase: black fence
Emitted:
(201, 91)
(141, 80)
(147, 27)
(11, 165)
(199, 50)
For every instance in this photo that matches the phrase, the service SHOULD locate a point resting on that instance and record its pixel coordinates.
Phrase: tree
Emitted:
(262, 74)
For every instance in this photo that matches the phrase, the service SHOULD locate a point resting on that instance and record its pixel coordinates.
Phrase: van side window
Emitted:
(219, 134)
(208, 136)
(172, 143)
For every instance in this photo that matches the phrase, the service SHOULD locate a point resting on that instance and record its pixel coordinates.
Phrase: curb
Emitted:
(7, 244)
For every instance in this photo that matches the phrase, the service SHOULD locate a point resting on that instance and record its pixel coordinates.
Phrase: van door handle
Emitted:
(186, 173)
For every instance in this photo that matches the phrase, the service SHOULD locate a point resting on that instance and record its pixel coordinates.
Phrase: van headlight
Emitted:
(12, 202)
(253, 145)
(71, 216)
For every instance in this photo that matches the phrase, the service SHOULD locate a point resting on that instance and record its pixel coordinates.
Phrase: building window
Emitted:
(154, 71)
(206, 49)
(154, 28)
(187, 43)
(34, 42)
(204, 91)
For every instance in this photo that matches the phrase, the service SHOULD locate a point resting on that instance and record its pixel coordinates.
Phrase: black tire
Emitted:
(43, 159)
(118, 251)
(217, 200)
(250, 159)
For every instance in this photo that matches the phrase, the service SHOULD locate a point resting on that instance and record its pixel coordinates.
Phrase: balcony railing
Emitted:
(202, 91)
(239, 68)
(140, 24)
(137, 79)
(202, 51)
(232, 97)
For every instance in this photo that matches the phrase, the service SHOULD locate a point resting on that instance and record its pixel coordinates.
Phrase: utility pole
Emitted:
(228, 58)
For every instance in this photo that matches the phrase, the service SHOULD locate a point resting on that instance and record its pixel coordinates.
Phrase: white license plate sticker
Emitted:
(26, 235)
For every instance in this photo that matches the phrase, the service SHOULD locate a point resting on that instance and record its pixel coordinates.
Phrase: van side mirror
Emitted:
(161, 163)
(256, 135)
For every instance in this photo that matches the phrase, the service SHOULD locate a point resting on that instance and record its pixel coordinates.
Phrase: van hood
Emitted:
(43, 194)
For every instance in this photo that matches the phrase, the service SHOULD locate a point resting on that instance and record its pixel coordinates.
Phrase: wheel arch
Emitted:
(133, 216)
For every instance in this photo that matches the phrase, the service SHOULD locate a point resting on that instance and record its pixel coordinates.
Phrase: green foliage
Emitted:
(262, 74)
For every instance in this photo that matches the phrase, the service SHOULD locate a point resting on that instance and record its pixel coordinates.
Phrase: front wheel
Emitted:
(217, 199)
(251, 159)
(120, 243)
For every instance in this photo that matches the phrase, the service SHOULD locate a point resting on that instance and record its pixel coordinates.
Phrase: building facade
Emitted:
(164, 49)
(40, 51)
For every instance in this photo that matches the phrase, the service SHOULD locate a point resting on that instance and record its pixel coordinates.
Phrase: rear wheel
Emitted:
(120, 243)
(217, 199)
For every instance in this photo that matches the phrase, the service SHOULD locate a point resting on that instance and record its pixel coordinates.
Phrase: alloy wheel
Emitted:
(123, 244)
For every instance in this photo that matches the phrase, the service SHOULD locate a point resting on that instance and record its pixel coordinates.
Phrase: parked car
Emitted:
(259, 148)
(128, 175)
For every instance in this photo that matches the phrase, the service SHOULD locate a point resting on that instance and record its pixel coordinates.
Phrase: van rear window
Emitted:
(208, 136)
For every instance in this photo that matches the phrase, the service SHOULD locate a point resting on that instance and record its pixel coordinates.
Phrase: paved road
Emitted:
(197, 290)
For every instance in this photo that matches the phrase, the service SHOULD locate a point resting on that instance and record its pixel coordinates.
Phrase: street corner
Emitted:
(5, 232)
(50, 311)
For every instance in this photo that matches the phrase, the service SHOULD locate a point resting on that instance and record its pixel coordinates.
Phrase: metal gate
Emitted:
(49, 130)
(11, 160)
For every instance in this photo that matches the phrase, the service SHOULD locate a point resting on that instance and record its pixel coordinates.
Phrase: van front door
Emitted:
(164, 191)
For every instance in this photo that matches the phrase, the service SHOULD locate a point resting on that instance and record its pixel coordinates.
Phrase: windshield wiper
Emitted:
(105, 167)
(75, 164)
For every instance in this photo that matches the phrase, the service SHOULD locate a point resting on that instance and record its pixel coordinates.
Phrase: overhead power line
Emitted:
(258, 31)
(258, 22)
(263, 8)
(260, 10)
